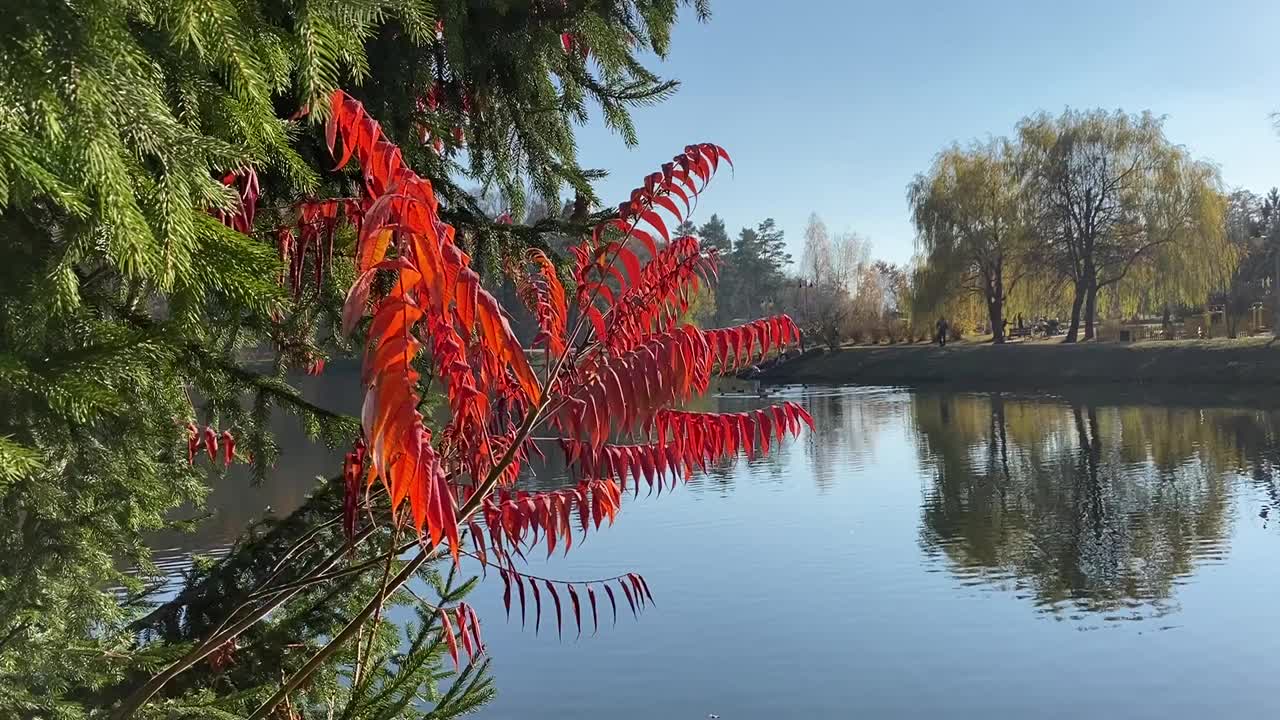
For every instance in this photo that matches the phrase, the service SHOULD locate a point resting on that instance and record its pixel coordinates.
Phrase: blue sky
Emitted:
(832, 107)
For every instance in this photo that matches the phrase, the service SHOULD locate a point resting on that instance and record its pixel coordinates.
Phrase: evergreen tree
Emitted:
(713, 234)
(153, 157)
(753, 273)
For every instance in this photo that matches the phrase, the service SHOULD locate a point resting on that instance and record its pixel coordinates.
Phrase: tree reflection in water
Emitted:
(1080, 503)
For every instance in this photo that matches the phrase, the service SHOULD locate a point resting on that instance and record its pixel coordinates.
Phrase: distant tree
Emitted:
(1269, 216)
(1110, 194)
(714, 235)
(765, 249)
(830, 272)
(969, 219)
(752, 274)
(815, 258)
(1242, 279)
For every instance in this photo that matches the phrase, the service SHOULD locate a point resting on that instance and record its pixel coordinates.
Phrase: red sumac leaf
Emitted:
(477, 539)
(780, 423)
(506, 592)
(210, 442)
(228, 447)
(644, 585)
(520, 590)
(577, 608)
(666, 202)
(639, 588)
(464, 632)
(724, 155)
(805, 416)
(555, 597)
(193, 442)
(595, 620)
(562, 503)
(766, 429)
(537, 606)
(608, 590)
(584, 510)
(626, 590)
(629, 229)
(446, 629)
(475, 629)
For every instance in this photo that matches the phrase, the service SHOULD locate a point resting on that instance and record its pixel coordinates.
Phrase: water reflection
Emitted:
(1078, 503)
(1085, 502)
(848, 424)
(910, 550)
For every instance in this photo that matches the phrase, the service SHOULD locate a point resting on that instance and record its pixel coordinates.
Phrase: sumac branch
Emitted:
(619, 365)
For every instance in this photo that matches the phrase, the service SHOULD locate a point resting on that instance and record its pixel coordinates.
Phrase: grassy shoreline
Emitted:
(1249, 362)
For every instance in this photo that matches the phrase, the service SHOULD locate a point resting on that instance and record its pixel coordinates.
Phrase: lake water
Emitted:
(924, 553)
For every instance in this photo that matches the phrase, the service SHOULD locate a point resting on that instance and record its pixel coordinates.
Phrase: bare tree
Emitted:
(831, 269)
(816, 257)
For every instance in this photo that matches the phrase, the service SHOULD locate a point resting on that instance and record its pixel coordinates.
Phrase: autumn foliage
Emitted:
(619, 363)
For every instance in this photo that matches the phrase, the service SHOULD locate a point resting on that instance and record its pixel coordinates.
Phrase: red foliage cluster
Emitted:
(517, 518)
(224, 656)
(315, 366)
(618, 362)
(449, 93)
(687, 441)
(209, 440)
(352, 474)
(633, 586)
(572, 43)
(654, 296)
(544, 295)
(734, 347)
(318, 222)
(468, 632)
(437, 295)
(245, 183)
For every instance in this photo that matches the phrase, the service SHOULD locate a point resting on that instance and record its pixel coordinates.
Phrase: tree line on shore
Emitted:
(836, 291)
(1095, 206)
(1082, 216)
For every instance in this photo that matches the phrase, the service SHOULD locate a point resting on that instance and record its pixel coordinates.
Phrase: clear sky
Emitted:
(832, 107)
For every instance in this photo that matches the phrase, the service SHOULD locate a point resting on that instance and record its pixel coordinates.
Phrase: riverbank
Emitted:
(1248, 362)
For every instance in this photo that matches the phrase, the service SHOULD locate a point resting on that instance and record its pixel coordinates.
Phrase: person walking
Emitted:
(942, 332)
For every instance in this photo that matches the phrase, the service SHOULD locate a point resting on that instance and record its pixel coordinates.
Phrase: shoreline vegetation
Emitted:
(1239, 363)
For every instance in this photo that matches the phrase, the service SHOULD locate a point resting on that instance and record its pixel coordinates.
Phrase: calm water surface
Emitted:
(924, 553)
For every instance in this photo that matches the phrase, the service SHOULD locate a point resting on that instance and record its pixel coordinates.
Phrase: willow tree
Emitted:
(969, 223)
(929, 295)
(1204, 263)
(1111, 194)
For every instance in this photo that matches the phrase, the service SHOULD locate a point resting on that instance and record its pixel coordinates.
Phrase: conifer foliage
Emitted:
(168, 212)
